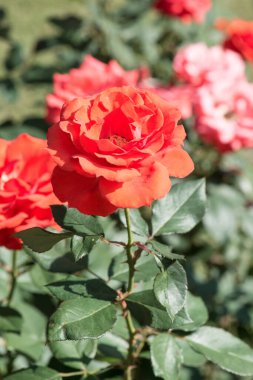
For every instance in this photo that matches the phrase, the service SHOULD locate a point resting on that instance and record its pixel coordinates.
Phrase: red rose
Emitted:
(186, 10)
(25, 187)
(239, 36)
(90, 78)
(116, 149)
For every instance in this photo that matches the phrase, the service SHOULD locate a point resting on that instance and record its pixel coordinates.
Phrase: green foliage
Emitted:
(10, 320)
(81, 318)
(223, 349)
(166, 356)
(138, 224)
(37, 373)
(73, 287)
(80, 246)
(193, 315)
(170, 287)
(40, 240)
(74, 354)
(181, 209)
(148, 311)
(72, 220)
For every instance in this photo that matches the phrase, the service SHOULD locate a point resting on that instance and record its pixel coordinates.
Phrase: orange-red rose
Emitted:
(186, 10)
(25, 187)
(116, 149)
(239, 36)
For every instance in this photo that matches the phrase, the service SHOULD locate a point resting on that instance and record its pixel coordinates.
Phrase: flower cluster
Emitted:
(25, 187)
(116, 149)
(222, 96)
(186, 10)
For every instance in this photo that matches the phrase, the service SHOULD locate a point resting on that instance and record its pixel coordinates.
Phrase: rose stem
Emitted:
(129, 322)
(13, 277)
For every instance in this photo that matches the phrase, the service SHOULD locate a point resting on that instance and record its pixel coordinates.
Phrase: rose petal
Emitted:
(88, 199)
(154, 183)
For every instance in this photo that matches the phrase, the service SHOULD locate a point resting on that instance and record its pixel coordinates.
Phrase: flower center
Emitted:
(118, 140)
(229, 115)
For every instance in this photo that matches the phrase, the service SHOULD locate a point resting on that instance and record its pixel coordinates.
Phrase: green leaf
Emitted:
(81, 246)
(40, 240)
(10, 320)
(165, 251)
(73, 220)
(170, 288)
(224, 212)
(31, 341)
(193, 315)
(146, 268)
(191, 358)
(166, 357)
(58, 259)
(36, 373)
(181, 209)
(147, 310)
(113, 347)
(79, 318)
(224, 349)
(74, 287)
(75, 354)
(138, 224)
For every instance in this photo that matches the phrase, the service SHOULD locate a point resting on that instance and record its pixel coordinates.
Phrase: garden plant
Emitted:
(126, 190)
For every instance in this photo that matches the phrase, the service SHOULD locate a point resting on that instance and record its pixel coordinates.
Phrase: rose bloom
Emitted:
(227, 123)
(25, 187)
(239, 36)
(197, 64)
(90, 78)
(116, 149)
(186, 10)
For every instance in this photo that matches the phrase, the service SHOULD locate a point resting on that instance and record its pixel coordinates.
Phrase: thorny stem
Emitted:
(13, 277)
(129, 372)
(130, 258)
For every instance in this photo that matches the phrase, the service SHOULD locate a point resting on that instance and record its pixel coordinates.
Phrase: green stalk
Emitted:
(130, 259)
(129, 372)
(13, 277)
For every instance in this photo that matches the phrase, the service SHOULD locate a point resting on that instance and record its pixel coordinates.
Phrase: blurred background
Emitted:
(39, 38)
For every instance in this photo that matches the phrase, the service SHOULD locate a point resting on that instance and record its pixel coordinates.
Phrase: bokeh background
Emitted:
(38, 38)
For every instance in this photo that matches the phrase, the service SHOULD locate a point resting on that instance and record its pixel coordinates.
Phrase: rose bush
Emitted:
(116, 149)
(25, 187)
(239, 36)
(90, 78)
(186, 10)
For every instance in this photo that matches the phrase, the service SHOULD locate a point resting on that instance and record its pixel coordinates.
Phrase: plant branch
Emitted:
(13, 274)
(130, 258)
(129, 372)
(77, 373)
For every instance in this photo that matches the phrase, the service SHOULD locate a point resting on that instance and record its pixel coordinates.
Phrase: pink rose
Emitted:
(227, 123)
(198, 64)
(90, 78)
(180, 97)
